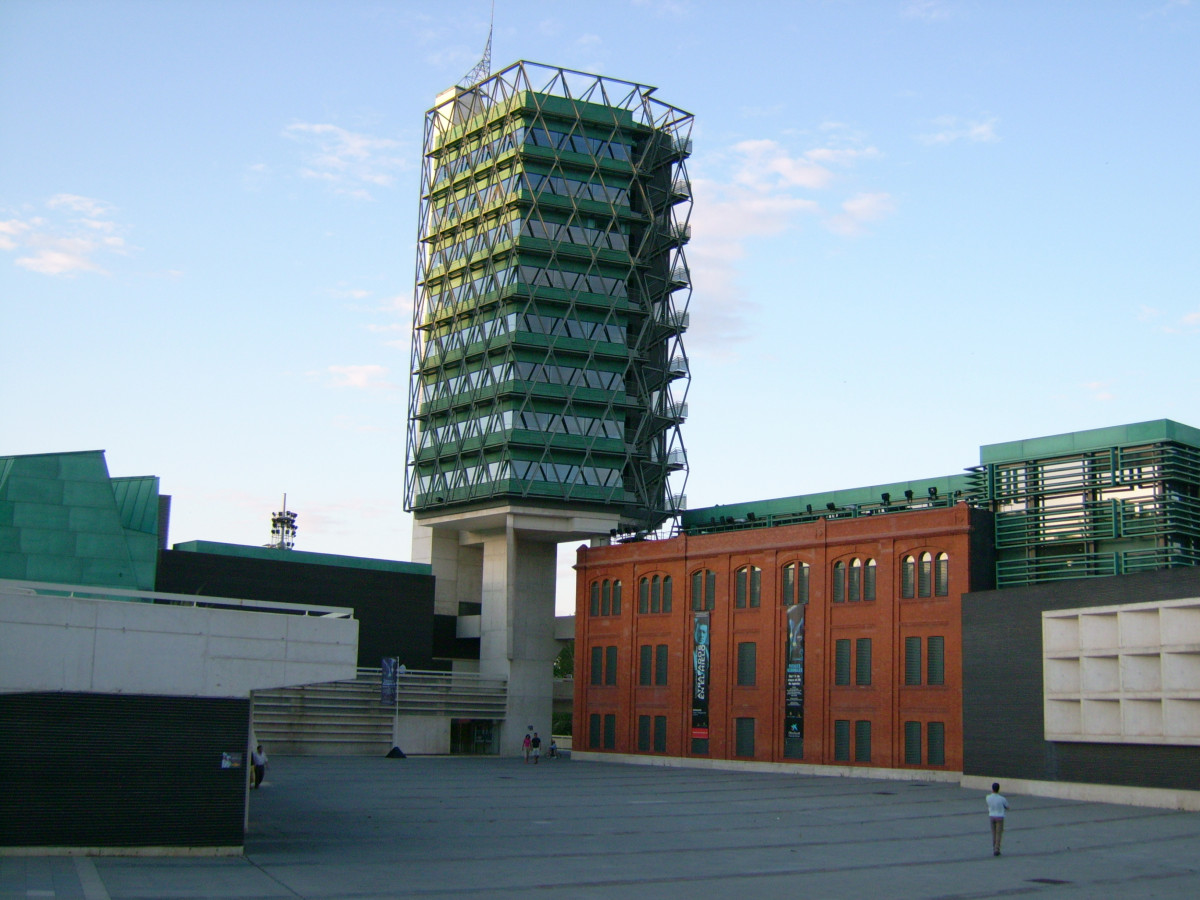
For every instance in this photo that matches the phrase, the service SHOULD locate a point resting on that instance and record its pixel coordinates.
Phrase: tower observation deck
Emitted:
(548, 377)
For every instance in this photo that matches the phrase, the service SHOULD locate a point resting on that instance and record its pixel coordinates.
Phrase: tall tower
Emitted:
(548, 373)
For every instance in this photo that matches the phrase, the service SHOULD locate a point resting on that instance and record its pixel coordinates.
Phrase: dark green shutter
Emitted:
(862, 741)
(937, 743)
(747, 658)
(744, 737)
(660, 664)
(912, 660)
(862, 664)
(912, 743)
(841, 740)
(937, 661)
(841, 662)
(597, 668)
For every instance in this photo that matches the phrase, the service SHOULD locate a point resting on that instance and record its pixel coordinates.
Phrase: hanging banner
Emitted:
(387, 680)
(793, 706)
(701, 657)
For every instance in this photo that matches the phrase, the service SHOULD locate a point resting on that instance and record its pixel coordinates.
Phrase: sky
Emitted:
(919, 226)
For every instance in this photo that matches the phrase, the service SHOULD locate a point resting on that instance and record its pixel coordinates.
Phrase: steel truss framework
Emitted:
(551, 299)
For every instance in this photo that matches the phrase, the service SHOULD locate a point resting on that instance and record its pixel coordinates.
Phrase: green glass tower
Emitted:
(548, 373)
(548, 363)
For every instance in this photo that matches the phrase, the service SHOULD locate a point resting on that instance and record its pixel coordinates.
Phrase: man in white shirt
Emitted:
(996, 805)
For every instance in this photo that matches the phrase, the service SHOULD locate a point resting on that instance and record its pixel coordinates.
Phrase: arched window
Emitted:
(854, 581)
(869, 580)
(908, 577)
(941, 576)
(654, 594)
(794, 583)
(616, 598)
(748, 587)
(839, 582)
(606, 598)
(704, 589)
(594, 606)
(925, 574)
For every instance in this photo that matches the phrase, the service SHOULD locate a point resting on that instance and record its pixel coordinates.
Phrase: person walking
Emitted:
(536, 744)
(997, 806)
(525, 745)
(258, 758)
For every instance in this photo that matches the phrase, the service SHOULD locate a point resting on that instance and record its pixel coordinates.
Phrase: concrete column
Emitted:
(456, 568)
(517, 630)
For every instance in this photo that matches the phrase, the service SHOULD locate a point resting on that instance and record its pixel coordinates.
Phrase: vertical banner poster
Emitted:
(387, 680)
(793, 706)
(701, 657)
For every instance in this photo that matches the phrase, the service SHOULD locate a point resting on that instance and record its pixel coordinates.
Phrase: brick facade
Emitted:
(621, 708)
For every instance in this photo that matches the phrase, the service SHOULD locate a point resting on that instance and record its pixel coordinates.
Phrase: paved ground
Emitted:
(367, 829)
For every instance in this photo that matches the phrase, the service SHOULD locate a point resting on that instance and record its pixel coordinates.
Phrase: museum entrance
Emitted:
(475, 737)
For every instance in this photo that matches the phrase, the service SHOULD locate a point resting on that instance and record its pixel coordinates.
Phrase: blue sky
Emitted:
(919, 226)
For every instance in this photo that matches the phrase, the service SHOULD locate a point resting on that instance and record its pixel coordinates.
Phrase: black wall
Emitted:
(1003, 726)
(394, 609)
(102, 770)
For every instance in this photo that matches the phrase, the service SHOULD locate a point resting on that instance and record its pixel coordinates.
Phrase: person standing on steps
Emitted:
(997, 806)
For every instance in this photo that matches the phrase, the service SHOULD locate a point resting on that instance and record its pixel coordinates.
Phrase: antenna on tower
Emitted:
(283, 528)
(483, 68)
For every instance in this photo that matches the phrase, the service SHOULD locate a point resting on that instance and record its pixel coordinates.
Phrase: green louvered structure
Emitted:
(1109, 501)
(548, 364)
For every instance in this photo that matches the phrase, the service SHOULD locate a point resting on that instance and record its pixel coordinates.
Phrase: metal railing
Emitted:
(466, 695)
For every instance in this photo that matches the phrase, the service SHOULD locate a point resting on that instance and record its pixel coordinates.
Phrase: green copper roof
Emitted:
(63, 519)
(137, 503)
(302, 556)
(870, 496)
(1152, 432)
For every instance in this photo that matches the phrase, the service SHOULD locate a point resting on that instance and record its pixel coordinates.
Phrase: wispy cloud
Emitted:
(1167, 8)
(1099, 390)
(70, 235)
(949, 129)
(1184, 324)
(929, 10)
(764, 190)
(350, 163)
(367, 377)
(860, 210)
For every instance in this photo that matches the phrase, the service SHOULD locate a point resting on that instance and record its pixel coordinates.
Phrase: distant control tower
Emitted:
(549, 377)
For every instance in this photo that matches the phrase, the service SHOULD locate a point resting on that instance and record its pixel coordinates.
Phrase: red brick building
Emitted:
(836, 641)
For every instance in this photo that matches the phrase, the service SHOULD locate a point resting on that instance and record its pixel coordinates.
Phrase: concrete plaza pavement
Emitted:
(445, 827)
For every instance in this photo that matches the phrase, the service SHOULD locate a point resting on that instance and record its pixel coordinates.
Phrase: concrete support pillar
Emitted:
(505, 559)
(517, 630)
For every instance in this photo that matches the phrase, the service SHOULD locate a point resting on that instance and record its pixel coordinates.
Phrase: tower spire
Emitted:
(483, 68)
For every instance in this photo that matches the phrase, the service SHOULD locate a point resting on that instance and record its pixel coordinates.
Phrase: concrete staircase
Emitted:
(341, 718)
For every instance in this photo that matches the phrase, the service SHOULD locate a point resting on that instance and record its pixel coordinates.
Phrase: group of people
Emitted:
(532, 748)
